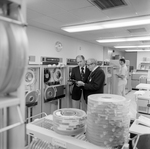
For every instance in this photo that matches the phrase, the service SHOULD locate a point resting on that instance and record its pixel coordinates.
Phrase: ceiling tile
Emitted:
(45, 7)
(31, 14)
(67, 18)
(71, 4)
(90, 14)
(121, 33)
(48, 21)
(102, 34)
(142, 7)
(39, 25)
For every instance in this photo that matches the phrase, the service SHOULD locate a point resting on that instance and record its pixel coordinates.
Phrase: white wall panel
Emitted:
(42, 43)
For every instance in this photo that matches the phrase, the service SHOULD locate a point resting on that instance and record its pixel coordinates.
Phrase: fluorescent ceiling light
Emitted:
(137, 50)
(142, 20)
(83, 28)
(141, 46)
(126, 39)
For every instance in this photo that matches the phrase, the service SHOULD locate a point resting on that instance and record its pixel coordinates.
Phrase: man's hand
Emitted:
(70, 83)
(118, 75)
(80, 83)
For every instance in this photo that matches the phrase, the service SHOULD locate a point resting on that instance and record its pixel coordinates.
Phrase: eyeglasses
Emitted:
(89, 64)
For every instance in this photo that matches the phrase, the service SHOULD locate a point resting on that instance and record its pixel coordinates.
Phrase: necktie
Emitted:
(82, 73)
(90, 76)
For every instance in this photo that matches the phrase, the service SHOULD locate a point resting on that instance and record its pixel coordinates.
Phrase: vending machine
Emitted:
(52, 84)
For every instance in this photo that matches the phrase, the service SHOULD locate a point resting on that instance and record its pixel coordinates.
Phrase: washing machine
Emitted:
(52, 84)
(70, 63)
(32, 95)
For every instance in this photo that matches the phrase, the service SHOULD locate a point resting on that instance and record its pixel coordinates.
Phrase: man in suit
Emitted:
(79, 73)
(96, 80)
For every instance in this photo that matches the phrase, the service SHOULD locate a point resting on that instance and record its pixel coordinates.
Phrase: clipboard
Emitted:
(72, 80)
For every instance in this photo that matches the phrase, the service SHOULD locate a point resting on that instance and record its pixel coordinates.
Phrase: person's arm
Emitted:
(122, 74)
(72, 74)
(96, 82)
(72, 77)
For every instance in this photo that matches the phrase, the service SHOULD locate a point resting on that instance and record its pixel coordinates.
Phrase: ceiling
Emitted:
(52, 15)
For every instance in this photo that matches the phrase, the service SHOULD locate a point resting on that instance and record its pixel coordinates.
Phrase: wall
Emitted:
(132, 57)
(42, 43)
(121, 53)
(140, 56)
(107, 53)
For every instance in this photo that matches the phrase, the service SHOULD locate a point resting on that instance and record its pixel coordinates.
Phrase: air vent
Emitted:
(137, 30)
(106, 4)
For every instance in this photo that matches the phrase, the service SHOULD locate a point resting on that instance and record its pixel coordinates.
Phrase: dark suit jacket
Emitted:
(95, 84)
(76, 92)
